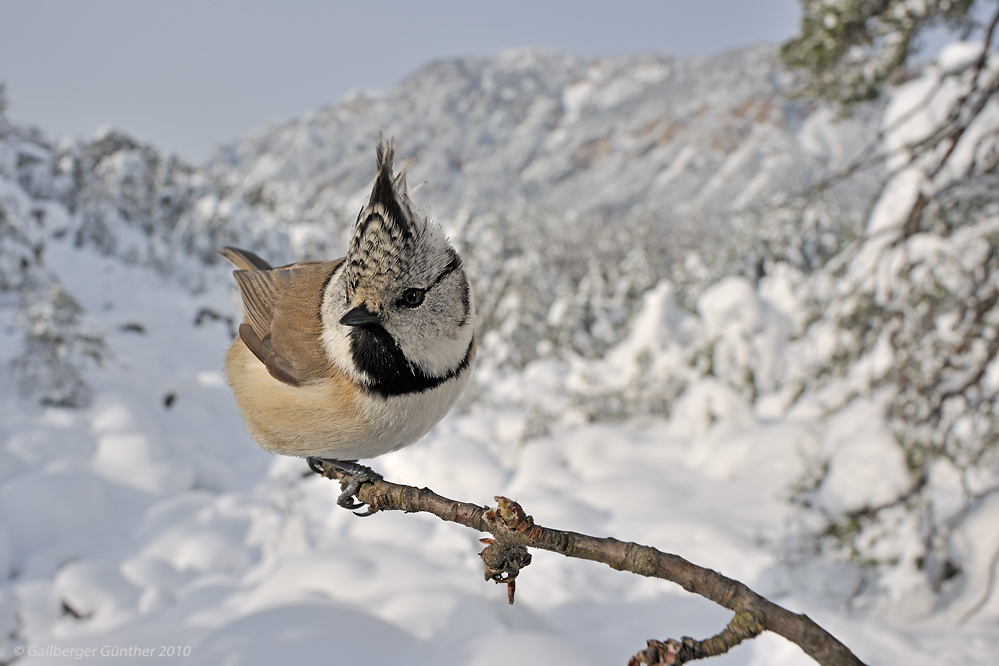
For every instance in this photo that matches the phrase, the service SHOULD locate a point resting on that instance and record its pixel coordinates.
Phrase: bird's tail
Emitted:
(244, 260)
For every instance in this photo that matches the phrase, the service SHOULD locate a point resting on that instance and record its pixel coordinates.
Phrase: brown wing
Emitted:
(283, 325)
(262, 293)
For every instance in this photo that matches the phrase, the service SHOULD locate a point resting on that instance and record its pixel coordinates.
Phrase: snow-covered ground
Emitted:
(133, 524)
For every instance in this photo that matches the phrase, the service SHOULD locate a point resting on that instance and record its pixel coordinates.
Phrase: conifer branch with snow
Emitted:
(907, 318)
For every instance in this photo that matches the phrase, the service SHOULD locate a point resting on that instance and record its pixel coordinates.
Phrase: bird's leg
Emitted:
(360, 474)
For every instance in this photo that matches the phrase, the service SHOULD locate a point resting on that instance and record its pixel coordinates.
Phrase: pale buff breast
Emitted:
(332, 419)
(319, 419)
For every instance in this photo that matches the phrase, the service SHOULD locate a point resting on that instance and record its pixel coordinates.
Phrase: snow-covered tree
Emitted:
(907, 317)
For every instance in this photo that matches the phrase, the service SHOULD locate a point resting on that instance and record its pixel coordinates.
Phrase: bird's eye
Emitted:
(412, 298)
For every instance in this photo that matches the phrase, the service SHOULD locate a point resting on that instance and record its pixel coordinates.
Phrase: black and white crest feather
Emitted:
(390, 234)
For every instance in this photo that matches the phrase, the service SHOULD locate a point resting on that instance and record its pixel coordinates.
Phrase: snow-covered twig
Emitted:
(514, 531)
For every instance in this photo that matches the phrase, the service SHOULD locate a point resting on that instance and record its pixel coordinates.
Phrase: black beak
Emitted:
(360, 316)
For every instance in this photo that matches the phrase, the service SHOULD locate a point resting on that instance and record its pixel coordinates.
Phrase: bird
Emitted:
(343, 360)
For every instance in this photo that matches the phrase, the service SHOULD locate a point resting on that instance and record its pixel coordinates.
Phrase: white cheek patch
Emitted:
(336, 337)
(439, 356)
(336, 343)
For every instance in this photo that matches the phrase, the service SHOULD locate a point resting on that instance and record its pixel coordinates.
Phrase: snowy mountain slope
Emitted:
(686, 141)
(570, 187)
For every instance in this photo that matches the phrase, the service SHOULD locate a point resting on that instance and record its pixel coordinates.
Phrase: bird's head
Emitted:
(400, 316)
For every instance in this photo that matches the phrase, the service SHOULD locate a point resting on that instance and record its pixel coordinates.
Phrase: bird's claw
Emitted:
(360, 474)
(370, 511)
(346, 498)
(316, 465)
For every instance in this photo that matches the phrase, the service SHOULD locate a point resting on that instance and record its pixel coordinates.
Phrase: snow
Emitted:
(976, 546)
(148, 518)
(958, 55)
(574, 96)
(891, 211)
(867, 466)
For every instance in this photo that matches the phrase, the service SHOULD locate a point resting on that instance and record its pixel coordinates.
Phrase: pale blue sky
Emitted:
(187, 74)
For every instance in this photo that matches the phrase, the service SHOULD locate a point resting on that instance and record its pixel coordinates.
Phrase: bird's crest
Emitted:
(389, 233)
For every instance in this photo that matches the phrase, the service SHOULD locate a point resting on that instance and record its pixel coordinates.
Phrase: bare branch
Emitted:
(674, 652)
(513, 531)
